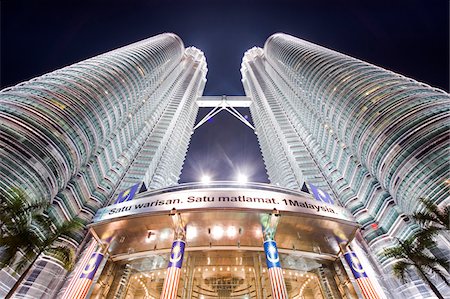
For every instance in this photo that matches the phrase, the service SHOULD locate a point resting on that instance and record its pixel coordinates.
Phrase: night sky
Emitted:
(408, 37)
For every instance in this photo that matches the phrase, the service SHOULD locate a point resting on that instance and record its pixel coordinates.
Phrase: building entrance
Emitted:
(219, 274)
(221, 240)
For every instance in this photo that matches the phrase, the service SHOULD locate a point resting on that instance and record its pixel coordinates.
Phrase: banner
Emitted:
(171, 283)
(275, 272)
(129, 193)
(320, 195)
(354, 264)
(215, 198)
(364, 283)
(92, 266)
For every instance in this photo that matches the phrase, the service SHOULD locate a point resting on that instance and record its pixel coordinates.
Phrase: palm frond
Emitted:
(424, 240)
(433, 216)
(399, 270)
(424, 217)
(394, 252)
(69, 227)
(29, 257)
(64, 254)
(441, 274)
(446, 217)
(7, 256)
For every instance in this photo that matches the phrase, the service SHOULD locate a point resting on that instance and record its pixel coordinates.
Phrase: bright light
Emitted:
(242, 178)
(205, 179)
(217, 232)
(231, 232)
(258, 232)
(164, 234)
(191, 232)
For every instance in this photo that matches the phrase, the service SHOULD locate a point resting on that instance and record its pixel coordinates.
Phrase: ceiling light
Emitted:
(217, 232)
(231, 232)
(191, 232)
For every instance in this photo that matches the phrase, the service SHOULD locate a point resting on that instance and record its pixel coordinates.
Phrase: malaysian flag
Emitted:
(276, 278)
(320, 195)
(364, 283)
(127, 194)
(170, 288)
(76, 285)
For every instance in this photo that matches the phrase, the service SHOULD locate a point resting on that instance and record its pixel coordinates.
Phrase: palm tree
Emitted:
(413, 253)
(26, 229)
(17, 214)
(433, 218)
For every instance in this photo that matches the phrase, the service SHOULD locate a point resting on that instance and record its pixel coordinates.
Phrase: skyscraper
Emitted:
(77, 135)
(376, 140)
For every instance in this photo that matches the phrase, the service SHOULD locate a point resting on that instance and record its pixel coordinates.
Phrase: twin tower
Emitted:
(373, 139)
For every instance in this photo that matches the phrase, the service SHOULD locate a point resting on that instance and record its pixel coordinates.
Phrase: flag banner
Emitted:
(84, 282)
(364, 283)
(177, 253)
(129, 193)
(92, 266)
(320, 195)
(272, 257)
(275, 271)
(170, 288)
(77, 286)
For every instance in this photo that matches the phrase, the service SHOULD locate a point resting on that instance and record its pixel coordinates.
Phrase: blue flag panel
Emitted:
(272, 257)
(129, 193)
(320, 195)
(92, 266)
(355, 265)
(177, 254)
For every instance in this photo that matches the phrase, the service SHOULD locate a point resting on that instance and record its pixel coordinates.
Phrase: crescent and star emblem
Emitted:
(176, 255)
(125, 194)
(271, 255)
(90, 265)
(356, 264)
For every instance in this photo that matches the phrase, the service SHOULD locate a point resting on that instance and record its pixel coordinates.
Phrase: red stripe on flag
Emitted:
(81, 289)
(170, 287)
(76, 284)
(277, 282)
(367, 288)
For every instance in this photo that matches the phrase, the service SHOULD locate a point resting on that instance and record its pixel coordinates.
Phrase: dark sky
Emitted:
(408, 37)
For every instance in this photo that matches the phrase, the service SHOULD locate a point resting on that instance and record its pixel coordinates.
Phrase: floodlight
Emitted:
(206, 179)
(242, 178)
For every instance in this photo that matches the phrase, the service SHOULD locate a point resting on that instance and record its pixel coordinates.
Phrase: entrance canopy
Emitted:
(223, 216)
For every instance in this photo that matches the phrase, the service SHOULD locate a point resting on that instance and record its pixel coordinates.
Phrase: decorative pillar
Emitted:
(275, 271)
(171, 282)
(361, 278)
(82, 281)
(269, 225)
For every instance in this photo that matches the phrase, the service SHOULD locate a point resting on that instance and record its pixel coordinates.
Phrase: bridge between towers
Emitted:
(221, 103)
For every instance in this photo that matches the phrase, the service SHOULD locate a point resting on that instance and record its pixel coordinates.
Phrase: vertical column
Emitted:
(171, 282)
(269, 226)
(276, 278)
(86, 269)
(363, 281)
(82, 281)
